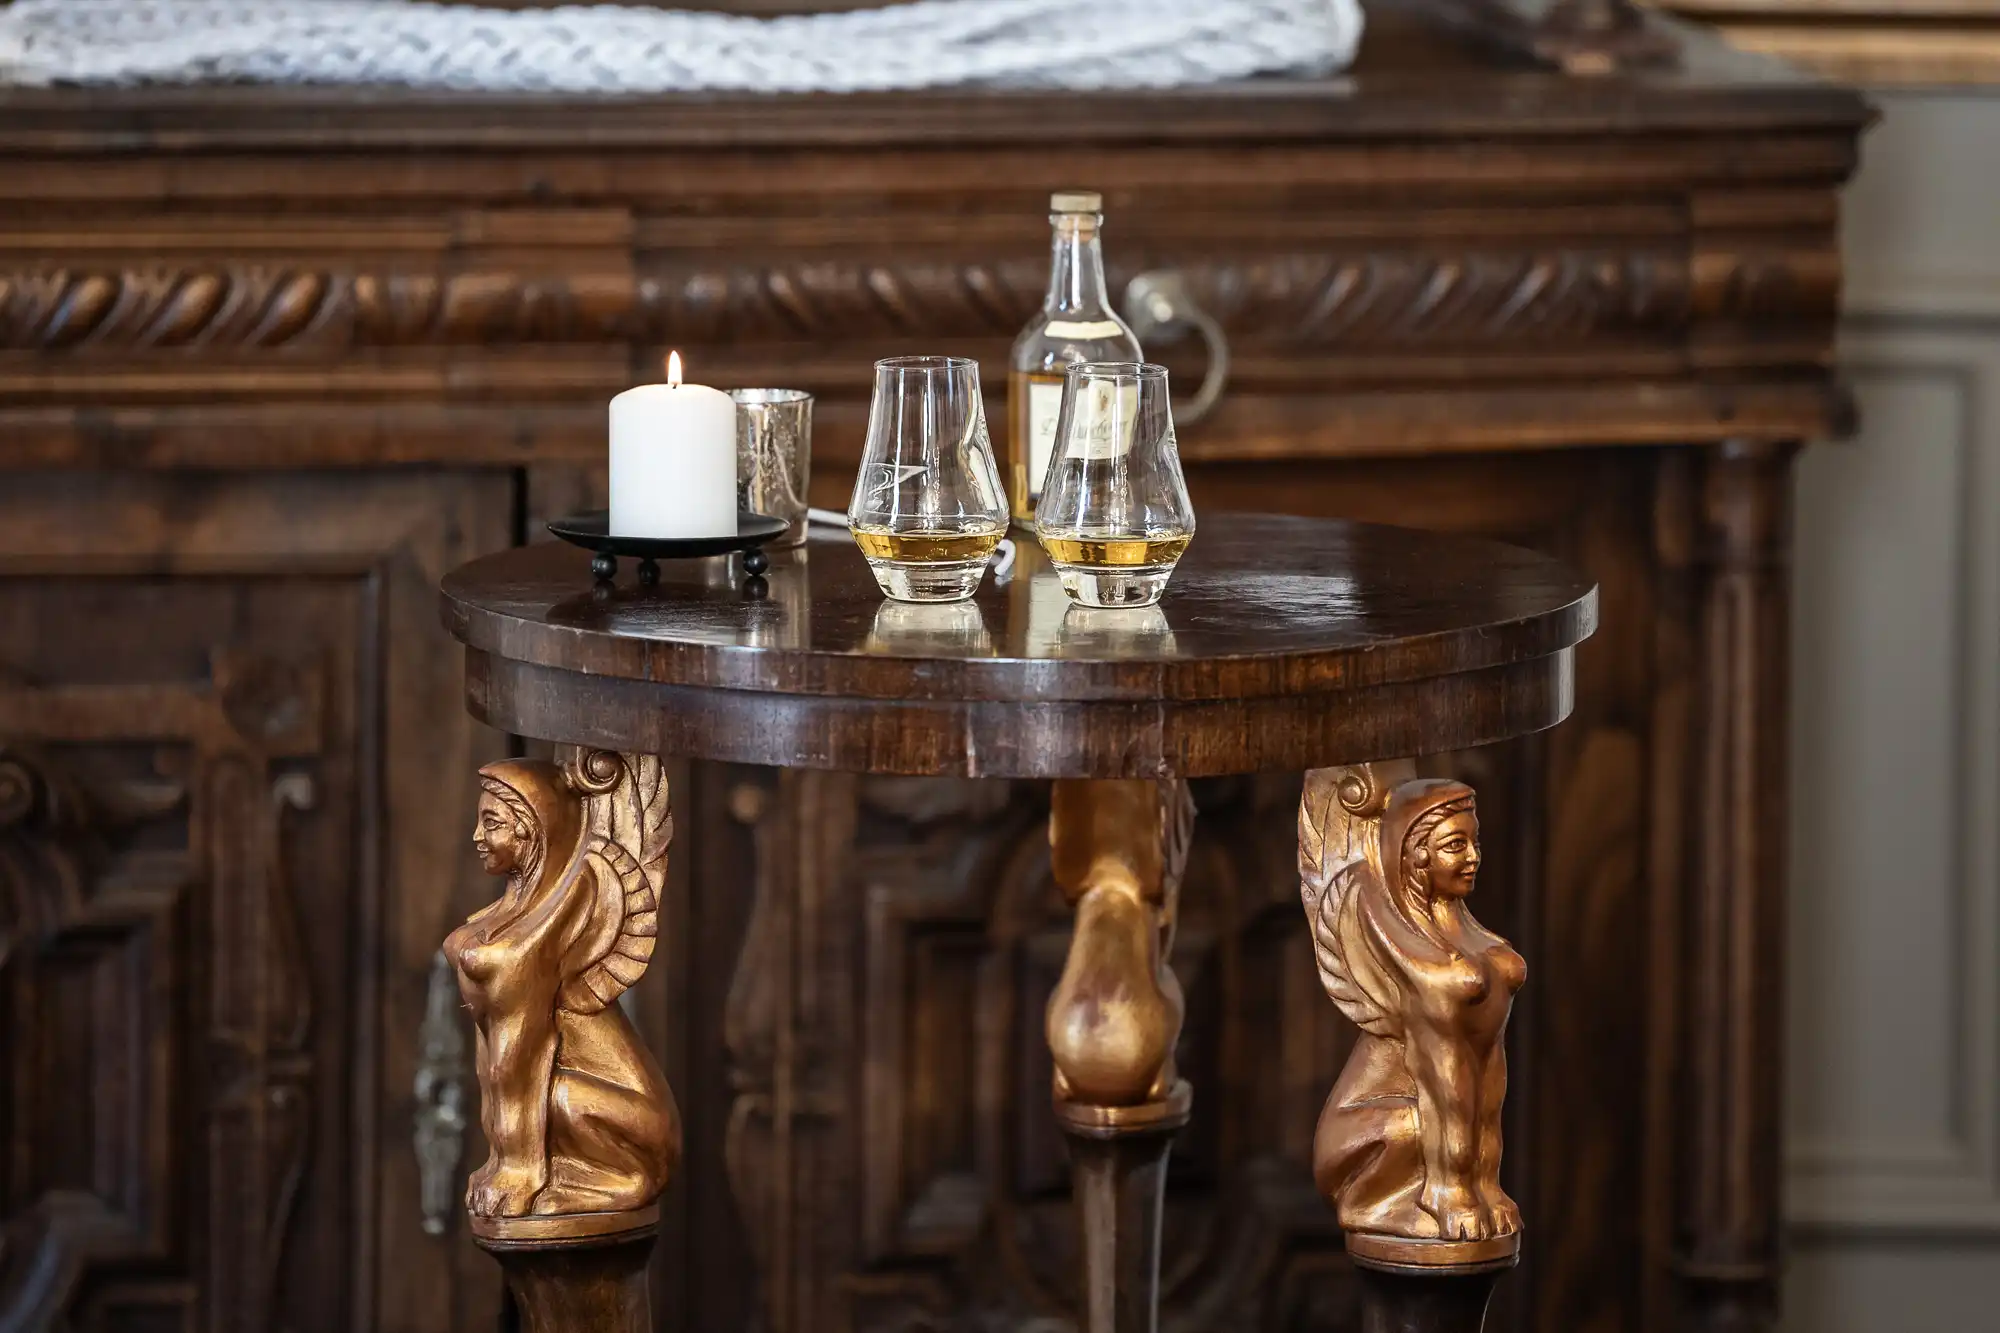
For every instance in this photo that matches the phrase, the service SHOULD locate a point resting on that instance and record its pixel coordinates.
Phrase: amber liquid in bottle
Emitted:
(1029, 394)
(1076, 323)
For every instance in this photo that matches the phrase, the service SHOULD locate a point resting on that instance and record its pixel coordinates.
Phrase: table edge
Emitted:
(888, 677)
(1011, 739)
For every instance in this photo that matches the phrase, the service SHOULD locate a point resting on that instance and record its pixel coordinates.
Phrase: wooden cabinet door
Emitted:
(234, 767)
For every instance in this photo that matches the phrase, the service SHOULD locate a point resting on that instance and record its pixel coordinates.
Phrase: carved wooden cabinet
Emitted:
(271, 361)
(216, 724)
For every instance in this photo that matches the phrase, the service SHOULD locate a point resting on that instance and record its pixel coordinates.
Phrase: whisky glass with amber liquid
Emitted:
(927, 508)
(1114, 516)
(1075, 324)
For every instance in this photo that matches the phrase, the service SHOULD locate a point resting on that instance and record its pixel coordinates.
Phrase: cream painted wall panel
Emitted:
(1885, 1286)
(1875, 695)
(1892, 1113)
(1893, 1119)
(1921, 222)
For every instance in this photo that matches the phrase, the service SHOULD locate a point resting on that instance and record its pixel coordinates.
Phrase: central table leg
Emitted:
(581, 1125)
(1117, 849)
(579, 1287)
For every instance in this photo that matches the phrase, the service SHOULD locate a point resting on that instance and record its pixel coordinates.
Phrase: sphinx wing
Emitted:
(1339, 824)
(625, 856)
(624, 926)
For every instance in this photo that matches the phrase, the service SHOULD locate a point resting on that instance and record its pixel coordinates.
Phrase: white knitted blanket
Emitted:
(614, 49)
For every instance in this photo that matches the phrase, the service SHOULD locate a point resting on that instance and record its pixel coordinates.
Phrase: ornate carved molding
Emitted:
(399, 309)
(225, 305)
(1469, 296)
(840, 298)
(1466, 296)
(1755, 283)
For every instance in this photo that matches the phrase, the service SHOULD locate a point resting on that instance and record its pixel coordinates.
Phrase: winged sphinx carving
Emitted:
(1408, 1145)
(577, 1114)
(1117, 850)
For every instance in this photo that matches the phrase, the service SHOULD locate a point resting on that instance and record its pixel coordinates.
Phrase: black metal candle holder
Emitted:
(592, 531)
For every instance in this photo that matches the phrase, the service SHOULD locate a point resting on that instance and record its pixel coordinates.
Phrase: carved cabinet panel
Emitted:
(232, 765)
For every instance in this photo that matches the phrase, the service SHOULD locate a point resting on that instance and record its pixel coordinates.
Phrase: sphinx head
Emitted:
(1433, 829)
(1447, 854)
(504, 831)
(525, 811)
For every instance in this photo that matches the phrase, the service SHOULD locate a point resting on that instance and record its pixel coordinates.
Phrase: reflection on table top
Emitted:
(1261, 604)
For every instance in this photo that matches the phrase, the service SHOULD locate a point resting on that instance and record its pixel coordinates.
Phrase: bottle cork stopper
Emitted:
(1076, 201)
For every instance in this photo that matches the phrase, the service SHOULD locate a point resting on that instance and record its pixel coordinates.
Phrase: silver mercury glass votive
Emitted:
(774, 456)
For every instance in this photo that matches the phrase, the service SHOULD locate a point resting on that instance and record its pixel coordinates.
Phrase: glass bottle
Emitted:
(927, 510)
(1116, 516)
(1076, 323)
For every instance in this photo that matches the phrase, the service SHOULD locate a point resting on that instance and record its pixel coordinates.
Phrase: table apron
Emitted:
(1053, 739)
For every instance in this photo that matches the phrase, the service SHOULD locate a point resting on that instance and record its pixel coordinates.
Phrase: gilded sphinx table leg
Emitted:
(1117, 849)
(1408, 1144)
(581, 1127)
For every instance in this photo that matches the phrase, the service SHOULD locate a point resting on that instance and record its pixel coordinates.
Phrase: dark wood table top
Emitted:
(1281, 643)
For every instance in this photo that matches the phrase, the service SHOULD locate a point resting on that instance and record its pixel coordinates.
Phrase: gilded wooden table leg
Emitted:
(581, 1125)
(1117, 849)
(1408, 1145)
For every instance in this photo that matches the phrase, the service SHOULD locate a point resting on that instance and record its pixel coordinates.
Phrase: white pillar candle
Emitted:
(673, 460)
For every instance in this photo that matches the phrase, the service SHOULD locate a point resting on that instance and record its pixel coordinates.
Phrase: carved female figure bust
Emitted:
(1408, 1144)
(577, 1114)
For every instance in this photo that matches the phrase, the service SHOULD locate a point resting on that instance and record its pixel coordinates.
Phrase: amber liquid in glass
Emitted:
(1154, 548)
(939, 547)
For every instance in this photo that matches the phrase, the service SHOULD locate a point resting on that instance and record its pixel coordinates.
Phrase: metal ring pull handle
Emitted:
(442, 1117)
(1159, 307)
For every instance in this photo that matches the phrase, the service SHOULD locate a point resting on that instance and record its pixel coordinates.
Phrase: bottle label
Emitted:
(1094, 328)
(1044, 409)
(1107, 417)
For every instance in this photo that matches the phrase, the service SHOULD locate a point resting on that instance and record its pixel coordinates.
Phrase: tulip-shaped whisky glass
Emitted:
(1114, 515)
(928, 508)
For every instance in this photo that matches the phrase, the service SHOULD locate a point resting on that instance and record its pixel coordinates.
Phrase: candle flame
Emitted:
(674, 370)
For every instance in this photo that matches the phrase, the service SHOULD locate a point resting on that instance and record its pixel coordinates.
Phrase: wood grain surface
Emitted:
(1281, 641)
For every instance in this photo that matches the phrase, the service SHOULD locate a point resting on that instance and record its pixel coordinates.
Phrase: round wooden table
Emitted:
(1282, 644)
